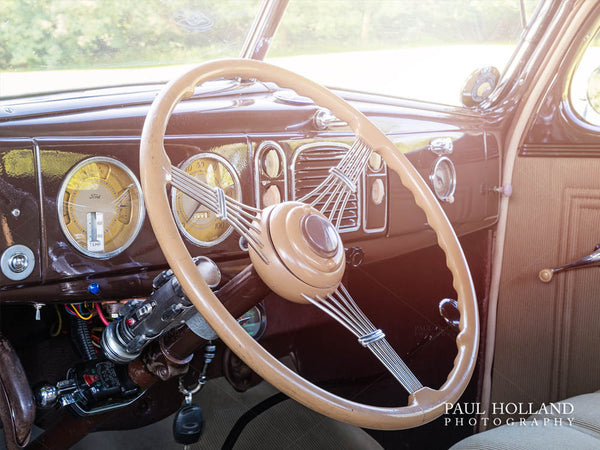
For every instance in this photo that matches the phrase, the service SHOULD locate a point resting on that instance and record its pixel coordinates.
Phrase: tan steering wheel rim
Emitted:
(155, 168)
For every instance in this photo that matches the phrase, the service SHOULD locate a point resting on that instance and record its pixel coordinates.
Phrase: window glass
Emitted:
(421, 49)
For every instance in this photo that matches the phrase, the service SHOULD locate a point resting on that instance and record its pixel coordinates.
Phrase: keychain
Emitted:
(189, 420)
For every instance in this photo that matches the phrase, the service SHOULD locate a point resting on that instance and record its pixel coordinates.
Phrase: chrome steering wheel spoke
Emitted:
(331, 196)
(341, 306)
(227, 209)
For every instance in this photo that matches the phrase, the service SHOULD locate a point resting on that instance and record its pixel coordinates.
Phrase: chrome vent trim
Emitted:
(310, 166)
(262, 149)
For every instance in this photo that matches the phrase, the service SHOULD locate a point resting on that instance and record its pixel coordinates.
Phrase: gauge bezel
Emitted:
(452, 188)
(60, 201)
(174, 191)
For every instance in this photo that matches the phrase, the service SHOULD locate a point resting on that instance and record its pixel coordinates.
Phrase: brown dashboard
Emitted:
(269, 150)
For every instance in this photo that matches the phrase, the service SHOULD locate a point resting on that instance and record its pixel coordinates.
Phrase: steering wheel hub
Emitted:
(304, 252)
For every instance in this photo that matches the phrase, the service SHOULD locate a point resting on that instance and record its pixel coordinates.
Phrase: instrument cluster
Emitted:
(101, 207)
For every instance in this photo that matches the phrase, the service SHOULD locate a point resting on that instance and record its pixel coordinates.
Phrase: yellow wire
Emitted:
(59, 326)
(79, 314)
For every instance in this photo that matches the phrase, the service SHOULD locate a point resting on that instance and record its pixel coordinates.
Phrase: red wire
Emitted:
(102, 318)
(69, 310)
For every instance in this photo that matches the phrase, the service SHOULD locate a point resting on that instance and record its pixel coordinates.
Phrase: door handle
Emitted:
(593, 259)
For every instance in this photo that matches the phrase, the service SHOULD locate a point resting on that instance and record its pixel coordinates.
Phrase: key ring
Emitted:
(209, 355)
(185, 391)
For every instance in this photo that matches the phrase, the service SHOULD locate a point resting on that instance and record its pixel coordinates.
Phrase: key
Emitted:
(188, 423)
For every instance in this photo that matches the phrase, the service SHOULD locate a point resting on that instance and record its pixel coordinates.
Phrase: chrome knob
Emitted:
(324, 119)
(18, 262)
(209, 270)
(448, 308)
(46, 396)
(441, 146)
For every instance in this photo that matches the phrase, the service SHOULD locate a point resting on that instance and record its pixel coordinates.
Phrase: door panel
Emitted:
(547, 336)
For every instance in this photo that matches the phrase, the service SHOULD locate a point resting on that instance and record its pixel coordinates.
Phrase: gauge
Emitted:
(377, 191)
(443, 179)
(254, 321)
(195, 221)
(272, 163)
(100, 207)
(375, 162)
(271, 196)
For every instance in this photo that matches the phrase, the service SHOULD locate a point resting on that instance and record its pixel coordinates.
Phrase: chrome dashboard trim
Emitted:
(312, 145)
(266, 145)
(40, 192)
(382, 174)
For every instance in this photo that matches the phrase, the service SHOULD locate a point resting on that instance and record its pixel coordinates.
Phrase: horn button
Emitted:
(304, 252)
(320, 235)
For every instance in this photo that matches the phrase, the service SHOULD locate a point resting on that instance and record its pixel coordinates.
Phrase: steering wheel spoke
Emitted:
(341, 306)
(331, 196)
(241, 217)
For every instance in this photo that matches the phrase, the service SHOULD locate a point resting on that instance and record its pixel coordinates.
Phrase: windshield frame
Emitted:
(263, 29)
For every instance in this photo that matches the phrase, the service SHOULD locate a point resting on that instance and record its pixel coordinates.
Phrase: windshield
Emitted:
(57, 45)
(420, 49)
(416, 49)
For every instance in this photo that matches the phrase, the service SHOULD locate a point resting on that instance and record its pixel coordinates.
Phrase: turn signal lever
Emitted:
(590, 260)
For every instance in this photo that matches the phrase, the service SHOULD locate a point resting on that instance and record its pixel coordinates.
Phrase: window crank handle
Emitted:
(593, 259)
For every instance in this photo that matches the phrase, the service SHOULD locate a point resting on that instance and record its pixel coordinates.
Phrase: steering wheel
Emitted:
(297, 250)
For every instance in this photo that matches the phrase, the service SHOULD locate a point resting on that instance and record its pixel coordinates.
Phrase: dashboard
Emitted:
(72, 211)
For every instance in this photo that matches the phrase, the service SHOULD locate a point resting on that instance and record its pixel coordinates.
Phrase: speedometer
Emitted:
(196, 222)
(100, 207)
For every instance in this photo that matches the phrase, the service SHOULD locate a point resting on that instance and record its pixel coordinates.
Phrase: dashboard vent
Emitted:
(310, 167)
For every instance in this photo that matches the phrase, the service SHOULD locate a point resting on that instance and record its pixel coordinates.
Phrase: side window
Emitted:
(585, 84)
(418, 49)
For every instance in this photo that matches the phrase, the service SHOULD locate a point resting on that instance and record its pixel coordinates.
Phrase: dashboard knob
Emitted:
(18, 262)
(46, 396)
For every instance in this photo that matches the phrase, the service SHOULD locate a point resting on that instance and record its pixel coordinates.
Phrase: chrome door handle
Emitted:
(593, 259)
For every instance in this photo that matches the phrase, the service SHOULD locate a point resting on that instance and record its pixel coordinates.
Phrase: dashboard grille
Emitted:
(310, 167)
